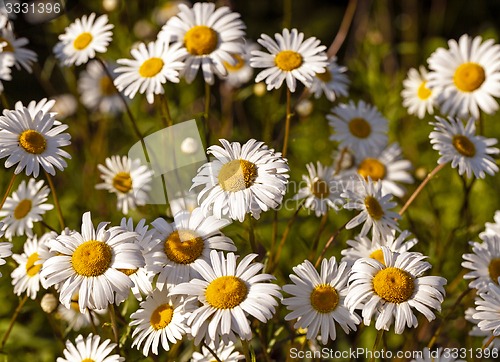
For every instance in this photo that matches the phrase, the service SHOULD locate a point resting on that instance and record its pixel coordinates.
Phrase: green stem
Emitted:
(114, 325)
(5, 102)
(488, 342)
(376, 345)
(287, 13)
(246, 350)
(206, 114)
(7, 192)
(212, 352)
(167, 118)
(251, 234)
(328, 243)
(322, 227)
(287, 120)
(12, 321)
(56, 200)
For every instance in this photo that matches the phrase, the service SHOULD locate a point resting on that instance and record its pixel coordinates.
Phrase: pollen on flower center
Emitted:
(374, 208)
(423, 92)
(31, 268)
(325, 77)
(226, 292)
(494, 269)
(161, 316)
(122, 182)
(128, 272)
(464, 145)
(32, 142)
(8, 47)
(394, 285)
(320, 189)
(183, 246)
(359, 127)
(378, 255)
(151, 67)
(324, 298)
(240, 62)
(237, 175)
(373, 168)
(82, 41)
(469, 76)
(106, 85)
(288, 60)
(22, 209)
(201, 40)
(92, 258)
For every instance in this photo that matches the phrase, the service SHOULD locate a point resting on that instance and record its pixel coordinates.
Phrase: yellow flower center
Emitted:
(423, 92)
(32, 142)
(373, 168)
(469, 76)
(122, 182)
(151, 67)
(31, 268)
(88, 360)
(464, 145)
(106, 85)
(373, 208)
(226, 292)
(92, 258)
(324, 298)
(162, 316)
(240, 62)
(8, 47)
(359, 127)
(320, 189)
(201, 40)
(288, 60)
(22, 209)
(325, 77)
(237, 175)
(82, 41)
(183, 246)
(128, 272)
(494, 269)
(378, 255)
(394, 285)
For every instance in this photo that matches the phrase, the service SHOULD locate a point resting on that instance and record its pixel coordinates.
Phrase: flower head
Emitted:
(488, 310)
(90, 349)
(484, 263)
(333, 82)
(23, 57)
(417, 97)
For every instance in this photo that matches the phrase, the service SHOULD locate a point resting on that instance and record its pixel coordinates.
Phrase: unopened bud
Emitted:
(49, 303)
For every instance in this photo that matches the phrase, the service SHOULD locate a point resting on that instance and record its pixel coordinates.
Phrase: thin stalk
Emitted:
(246, 350)
(287, 120)
(167, 118)
(328, 243)
(488, 342)
(343, 29)
(376, 345)
(251, 234)
(206, 113)
(56, 200)
(287, 13)
(7, 192)
(114, 325)
(322, 227)
(212, 352)
(5, 102)
(12, 321)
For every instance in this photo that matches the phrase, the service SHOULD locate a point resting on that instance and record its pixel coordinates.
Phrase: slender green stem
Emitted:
(56, 200)
(5, 102)
(488, 342)
(13, 320)
(376, 345)
(7, 192)
(328, 243)
(167, 118)
(246, 350)
(114, 325)
(321, 228)
(287, 13)
(251, 234)
(212, 352)
(287, 120)
(206, 114)
(343, 29)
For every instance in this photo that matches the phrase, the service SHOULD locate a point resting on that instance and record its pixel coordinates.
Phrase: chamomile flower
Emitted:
(242, 179)
(210, 36)
(31, 139)
(492, 228)
(151, 67)
(375, 209)
(83, 39)
(363, 247)
(388, 291)
(23, 57)
(229, 294)
(7, 60)
(322, 190)
(466, 76)
(333, 82)
(484, 262)
(225, 352)
(97, 89)
(128, 179)
(478, 332)
(240, 72)
(317, 300)
(75, 319)
(488, 309)
(358, 127)
(4, 247)
(417, 97)
(290, 58)
(460, 145)
(25, 207)
(161, 318)
(179, 244)
(437, 355)
(89, 263)
(90, 349)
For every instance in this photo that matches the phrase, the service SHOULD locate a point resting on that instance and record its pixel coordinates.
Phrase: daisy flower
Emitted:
(83, 39)
(242, 179)
(25, 207)
(23, 57)
(359, 128)
(128, 179)
(89, 263)
(97, 89)
(228, 294)
(488, 310)
(436, 355)
(151, 67)
(209, 36)
(363, 247)
(466, 76)
(484, 262)
(388, 291)
(178, 245)
(75, 319)
(31, 139)
(492, 228)
(317, 301)
(333, 82)
(240, 72)
(225, 353)
(477, 332)
(7, 60)
(375, 214)
(90, 349)
(4, 248)
(161, 318)
(322, 191)
(461, 146)
(417, 97)
(26, 277)
(290, 58)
